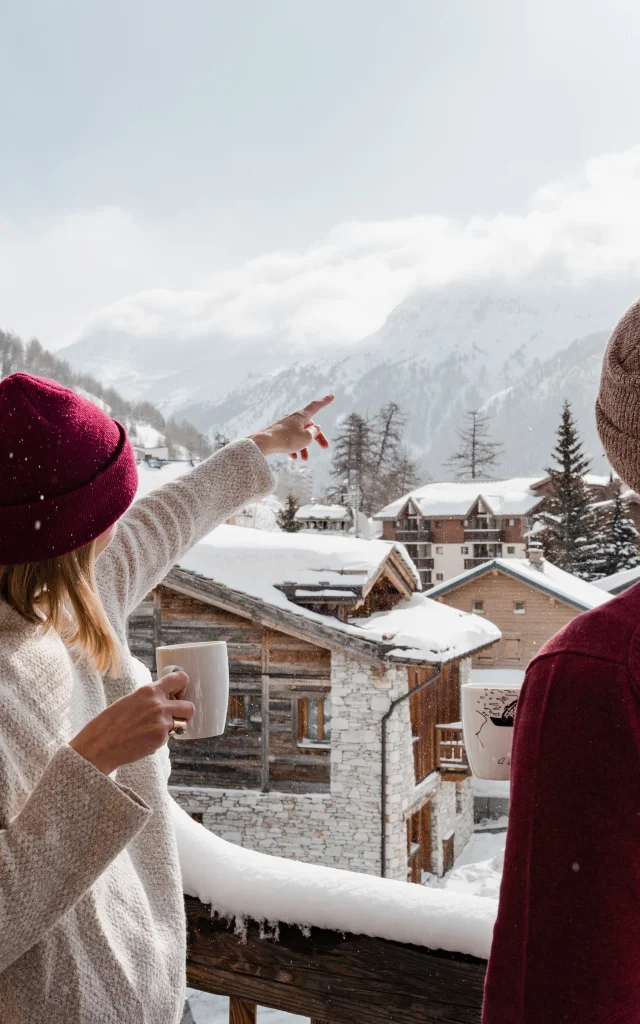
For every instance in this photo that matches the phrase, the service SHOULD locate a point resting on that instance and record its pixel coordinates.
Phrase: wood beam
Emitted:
(264, 727)
(241, 1012)
(330, 977)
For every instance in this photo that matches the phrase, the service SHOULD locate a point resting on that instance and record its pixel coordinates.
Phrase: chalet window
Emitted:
(412, 550)
(519, 608)
(512, 649)
(511, 551)
(424, 550)
(237, 710)
(439, 551)
(427, 524)
(425, 578)
(411, 524)
(512, 522)
(466, 522)
(314, 721)
(440, 577)
(438, 522)
(464, 551)
(478, 606)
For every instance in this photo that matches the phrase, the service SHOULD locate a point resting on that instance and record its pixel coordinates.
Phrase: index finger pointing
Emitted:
(312, 408)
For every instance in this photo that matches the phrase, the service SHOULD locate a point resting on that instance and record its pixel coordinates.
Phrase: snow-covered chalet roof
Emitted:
(316, 511)
(150, 479)
(502, 497)
(619, 580)
(253, 566)
(548, 577)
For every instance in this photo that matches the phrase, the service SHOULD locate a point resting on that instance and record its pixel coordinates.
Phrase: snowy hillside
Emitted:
(517, 350)
(518, 357)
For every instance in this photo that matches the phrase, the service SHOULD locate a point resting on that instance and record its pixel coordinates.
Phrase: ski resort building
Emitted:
(529, 600)
(329, 755)
(325, 518)
(450, 528)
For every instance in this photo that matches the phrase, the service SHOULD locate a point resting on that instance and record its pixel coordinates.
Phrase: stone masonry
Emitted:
(342, 828)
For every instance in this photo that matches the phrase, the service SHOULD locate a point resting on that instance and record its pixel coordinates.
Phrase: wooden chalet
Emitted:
(528, 599)
(326, 637)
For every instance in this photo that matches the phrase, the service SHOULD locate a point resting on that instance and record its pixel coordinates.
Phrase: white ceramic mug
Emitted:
(488, 714)
(207, 666)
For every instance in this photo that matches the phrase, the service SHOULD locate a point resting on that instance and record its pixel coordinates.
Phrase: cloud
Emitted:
(578, 230)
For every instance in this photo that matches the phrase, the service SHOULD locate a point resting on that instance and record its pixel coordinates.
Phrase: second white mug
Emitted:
(488, 714)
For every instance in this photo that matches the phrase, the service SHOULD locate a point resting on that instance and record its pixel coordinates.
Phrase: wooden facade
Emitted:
(526, 615)
(278, 730)
(269, 671)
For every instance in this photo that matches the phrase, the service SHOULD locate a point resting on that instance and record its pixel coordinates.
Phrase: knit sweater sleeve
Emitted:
(160, 528)
(75, 822)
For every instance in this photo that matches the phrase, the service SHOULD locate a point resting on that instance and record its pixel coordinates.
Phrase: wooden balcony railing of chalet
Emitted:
(328, 976)
(450, 749)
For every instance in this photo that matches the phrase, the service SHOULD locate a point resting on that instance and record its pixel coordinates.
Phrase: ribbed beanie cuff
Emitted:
(68, 470)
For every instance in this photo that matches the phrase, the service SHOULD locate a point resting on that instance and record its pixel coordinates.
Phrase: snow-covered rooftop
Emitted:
(258, 563)
(503, 497)
(149, 479)
(146, 436)
(623, 579)
(548, 577)
(316, 511)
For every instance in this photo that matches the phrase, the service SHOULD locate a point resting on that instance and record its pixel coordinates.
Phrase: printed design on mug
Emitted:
(495, 707)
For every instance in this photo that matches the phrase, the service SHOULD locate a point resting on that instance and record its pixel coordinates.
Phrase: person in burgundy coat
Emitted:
(566, 946)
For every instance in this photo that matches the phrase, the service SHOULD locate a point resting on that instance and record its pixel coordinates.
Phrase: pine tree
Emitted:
(476, 454)
(570, 535)
(286, 517)
(394, 470)
(618, 540)
(353, 462)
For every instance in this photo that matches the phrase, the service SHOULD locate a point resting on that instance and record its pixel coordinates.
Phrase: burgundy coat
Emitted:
(566, 945)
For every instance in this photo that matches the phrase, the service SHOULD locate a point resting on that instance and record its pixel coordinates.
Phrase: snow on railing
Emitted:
(244, 885)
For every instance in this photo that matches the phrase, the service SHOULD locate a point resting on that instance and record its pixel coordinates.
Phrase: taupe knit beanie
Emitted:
(618, 402)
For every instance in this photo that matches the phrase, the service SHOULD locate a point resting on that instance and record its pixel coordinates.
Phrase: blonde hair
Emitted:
(61, 594)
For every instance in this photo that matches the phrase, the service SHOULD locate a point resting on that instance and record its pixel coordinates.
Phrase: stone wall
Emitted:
(342, 828)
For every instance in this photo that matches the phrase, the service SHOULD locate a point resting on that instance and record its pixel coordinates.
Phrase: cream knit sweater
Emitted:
(92, 926)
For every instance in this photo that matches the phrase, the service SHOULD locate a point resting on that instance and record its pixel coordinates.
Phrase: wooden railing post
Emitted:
(241, 1012)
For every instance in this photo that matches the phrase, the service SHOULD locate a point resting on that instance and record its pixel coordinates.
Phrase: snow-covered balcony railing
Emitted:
(450, 748)
(334, 946)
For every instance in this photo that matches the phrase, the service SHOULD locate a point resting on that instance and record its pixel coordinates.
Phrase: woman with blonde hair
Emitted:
(92, 924)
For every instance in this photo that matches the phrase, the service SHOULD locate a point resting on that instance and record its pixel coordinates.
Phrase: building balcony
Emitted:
(450, 748)
(331, 977)
(473, 563)
(414, 536)
(477, 536)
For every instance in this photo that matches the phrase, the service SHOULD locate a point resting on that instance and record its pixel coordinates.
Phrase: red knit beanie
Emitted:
(67, 470)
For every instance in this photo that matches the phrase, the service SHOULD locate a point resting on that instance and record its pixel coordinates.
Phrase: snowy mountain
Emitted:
(517, 351)
(516, 354)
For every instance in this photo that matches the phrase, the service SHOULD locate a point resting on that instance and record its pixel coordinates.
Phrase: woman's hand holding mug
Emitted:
(136, 725)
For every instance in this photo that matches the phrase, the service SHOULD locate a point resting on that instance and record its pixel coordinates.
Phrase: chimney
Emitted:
(536, 556)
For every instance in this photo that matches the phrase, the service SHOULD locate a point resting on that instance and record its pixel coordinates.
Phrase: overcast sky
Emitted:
(148, 143)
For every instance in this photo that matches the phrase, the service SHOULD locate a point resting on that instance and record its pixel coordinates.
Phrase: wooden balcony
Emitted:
(478, 536)
(450, 749)
(473, 563)
(327, 976)
(414, 536)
